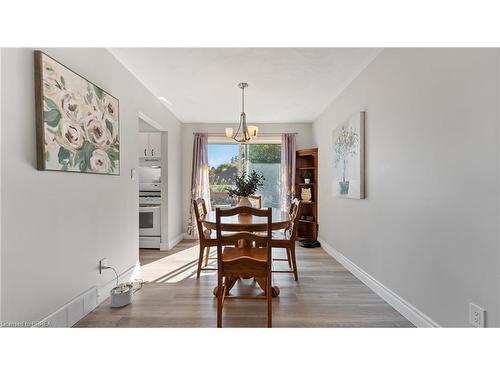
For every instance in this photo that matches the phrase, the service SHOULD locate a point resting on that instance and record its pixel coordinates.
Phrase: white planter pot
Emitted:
(244, 201)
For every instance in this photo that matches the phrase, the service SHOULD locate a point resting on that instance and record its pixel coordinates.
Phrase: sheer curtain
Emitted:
(288, 147)
(199, 178)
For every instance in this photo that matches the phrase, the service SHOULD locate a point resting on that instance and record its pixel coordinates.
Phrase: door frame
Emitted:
(164, 243)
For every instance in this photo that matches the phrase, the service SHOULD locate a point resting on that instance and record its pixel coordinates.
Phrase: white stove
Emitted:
(149, 201)
(149, 215)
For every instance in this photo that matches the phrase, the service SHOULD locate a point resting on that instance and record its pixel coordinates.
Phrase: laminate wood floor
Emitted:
(326, 295)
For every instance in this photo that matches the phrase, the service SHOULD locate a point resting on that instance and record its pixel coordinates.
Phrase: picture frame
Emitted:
(349, 158)
(77, 122)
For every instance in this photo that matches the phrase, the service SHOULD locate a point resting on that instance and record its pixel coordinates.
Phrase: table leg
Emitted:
(230, 284)
(262, 283)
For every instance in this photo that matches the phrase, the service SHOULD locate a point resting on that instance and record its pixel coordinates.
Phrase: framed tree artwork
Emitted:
(349, 158)
(77, 122)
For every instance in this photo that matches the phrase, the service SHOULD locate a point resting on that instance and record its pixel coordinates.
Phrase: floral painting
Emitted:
(78, 128)
(348, 154)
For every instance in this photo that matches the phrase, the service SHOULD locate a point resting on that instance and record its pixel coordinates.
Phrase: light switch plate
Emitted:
(133, 174)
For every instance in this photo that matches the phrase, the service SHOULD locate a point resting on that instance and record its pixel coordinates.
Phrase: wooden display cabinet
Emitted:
(307, 161)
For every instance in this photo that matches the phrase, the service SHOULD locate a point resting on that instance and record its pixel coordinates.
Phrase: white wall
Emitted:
(1, 185)
(304, 140)
(428, 229)
(55, 225)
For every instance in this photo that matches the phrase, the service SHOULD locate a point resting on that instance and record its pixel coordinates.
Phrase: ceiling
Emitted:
(285, 84)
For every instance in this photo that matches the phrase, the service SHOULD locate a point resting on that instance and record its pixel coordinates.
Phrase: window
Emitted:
(227, 160)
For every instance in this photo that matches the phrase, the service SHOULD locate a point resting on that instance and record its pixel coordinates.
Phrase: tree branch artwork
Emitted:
(345, 147)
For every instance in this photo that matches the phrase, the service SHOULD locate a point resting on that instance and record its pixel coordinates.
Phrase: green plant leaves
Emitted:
(109, 125)
(82, 158)
(49, 103)
(100, 93)
(113, 155)
(63, 155)
(52, 116)
(246, 185)
(90, 95)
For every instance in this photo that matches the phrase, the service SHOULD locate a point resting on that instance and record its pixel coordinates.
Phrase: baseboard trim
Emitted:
(71, 312)
(176, 240)
(410, 312)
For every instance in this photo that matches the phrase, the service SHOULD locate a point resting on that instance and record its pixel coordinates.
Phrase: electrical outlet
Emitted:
(103, 263)
(477, 315)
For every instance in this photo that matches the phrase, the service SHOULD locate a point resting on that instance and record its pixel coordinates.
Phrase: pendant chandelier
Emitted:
(247, 132)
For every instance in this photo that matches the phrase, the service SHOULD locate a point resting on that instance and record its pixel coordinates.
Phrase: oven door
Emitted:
(149, 221)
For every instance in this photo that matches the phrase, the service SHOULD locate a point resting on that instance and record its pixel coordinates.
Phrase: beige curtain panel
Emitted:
(199, 178)
(288, 148)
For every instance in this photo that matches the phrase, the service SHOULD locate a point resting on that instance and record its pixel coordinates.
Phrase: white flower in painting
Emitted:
(98, 134)
(93, 111)
(50, 139)
(48, 70)
(50, 88)
(99, 161)
(70, 135)
(74, 107)
(110, 108)
(49, 75)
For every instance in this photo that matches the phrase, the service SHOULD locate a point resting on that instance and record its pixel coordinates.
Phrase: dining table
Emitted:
(247, 223)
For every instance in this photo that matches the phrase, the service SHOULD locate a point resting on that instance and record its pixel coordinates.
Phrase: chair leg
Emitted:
(288, 257)
(207, 254)
(269, 295)
(220, 294)
(200, 260)
(294, 262)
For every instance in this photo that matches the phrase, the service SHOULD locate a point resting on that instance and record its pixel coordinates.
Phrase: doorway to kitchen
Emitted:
(153, 187)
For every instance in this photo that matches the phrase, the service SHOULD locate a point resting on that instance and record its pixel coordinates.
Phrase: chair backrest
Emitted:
(230, 239)
(293, 211)
(295, 216)
(200, 209)
(293, 208)
(257, 199)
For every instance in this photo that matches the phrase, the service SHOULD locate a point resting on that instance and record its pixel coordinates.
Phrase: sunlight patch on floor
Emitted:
(172, 268)
(180, 266)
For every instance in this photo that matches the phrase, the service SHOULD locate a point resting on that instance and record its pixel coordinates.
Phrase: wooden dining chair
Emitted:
(286, 240)
(255, 199)
(207, 237)
(246, 262)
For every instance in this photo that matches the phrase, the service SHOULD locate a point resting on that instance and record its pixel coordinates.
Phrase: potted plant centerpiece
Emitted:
(246, 186)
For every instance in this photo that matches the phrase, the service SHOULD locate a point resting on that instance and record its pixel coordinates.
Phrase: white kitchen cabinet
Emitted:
(150, 145)
(143, 145)
(155, 144)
